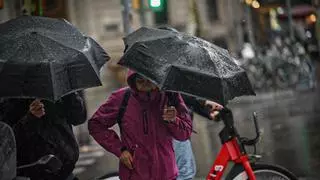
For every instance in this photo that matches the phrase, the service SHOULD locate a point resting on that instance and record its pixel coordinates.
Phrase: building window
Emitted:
(1, 4)
(51, 5)
(212, 10)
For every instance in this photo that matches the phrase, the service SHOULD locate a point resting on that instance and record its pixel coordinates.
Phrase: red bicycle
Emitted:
(233, 150)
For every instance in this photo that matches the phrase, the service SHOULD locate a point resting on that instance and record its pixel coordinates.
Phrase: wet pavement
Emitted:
(289, 121)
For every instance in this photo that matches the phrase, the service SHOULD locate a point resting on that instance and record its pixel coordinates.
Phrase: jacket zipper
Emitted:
(145, 122)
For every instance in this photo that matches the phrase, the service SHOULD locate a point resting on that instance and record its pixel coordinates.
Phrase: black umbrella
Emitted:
(47, 58)
(182, 63)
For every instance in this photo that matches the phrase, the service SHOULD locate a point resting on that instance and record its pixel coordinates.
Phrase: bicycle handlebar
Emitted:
(251, 142)
(226, 116)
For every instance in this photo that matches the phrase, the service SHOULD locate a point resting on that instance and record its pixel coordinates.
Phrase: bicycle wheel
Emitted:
(262, 172)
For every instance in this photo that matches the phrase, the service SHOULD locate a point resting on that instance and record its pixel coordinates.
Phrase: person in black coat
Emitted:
(183, 149)
(42, 128)
(205, 108)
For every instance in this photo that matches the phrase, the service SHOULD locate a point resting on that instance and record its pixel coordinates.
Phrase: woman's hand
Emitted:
(169, 113)
(214, 108)
(36, 108)
(127, 159)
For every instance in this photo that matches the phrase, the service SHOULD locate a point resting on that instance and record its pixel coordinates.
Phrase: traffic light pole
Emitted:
(249, 27)
(142, 13)
(289, 10)
(125, 16)
(316, 3)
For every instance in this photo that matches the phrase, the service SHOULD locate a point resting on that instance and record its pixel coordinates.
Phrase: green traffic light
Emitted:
(156, 5)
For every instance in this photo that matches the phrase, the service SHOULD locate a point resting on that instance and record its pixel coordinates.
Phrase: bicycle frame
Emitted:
(232, 150)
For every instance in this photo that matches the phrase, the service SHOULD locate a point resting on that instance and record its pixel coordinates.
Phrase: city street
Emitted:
(217, 49)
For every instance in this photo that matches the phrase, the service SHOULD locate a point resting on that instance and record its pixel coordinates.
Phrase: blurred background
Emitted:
(275, 41)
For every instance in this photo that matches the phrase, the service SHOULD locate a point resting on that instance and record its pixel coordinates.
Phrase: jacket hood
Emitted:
(131, 78)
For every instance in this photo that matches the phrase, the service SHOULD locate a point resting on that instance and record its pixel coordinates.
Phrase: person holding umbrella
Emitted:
(42, 127)
(147, 129)
(183, 149)
(179, 62)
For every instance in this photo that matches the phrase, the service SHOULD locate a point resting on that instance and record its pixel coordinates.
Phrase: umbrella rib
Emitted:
(50, 68)
(43, 46)
(49, 38)
(218, 74)
(93, 64)
(52, 80)
(79, 52)
(33, 24)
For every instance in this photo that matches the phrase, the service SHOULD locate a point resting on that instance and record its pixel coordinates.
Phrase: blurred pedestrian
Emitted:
(147, 129)
(183, 149)
(42, 127)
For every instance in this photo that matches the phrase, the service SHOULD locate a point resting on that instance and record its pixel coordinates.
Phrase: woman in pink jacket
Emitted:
(147, 129)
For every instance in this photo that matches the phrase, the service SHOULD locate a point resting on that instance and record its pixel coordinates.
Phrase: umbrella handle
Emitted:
(172, 99)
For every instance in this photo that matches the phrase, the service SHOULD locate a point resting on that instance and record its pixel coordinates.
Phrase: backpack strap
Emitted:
(123, 106)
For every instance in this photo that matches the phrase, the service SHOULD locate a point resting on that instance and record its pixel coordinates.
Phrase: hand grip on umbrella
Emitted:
(169, 113)
(37, 108)
(172, 98)
(213, 113)
(36, 103)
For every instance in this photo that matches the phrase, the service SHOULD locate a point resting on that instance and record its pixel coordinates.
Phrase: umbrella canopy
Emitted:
(186, 64)
(47, 58)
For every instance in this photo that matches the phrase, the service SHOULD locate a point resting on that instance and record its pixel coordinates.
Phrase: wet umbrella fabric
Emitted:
(47, 58)
(182, 63)
(8, 152)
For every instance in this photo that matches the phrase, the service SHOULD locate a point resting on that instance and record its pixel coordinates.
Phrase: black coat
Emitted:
(196, 105)
(51, 134)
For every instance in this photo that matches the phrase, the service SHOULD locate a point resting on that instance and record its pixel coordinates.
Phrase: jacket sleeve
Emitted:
(181, 129)
(100, 123)
(8, 114)
(75, 109)
(196, 105)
